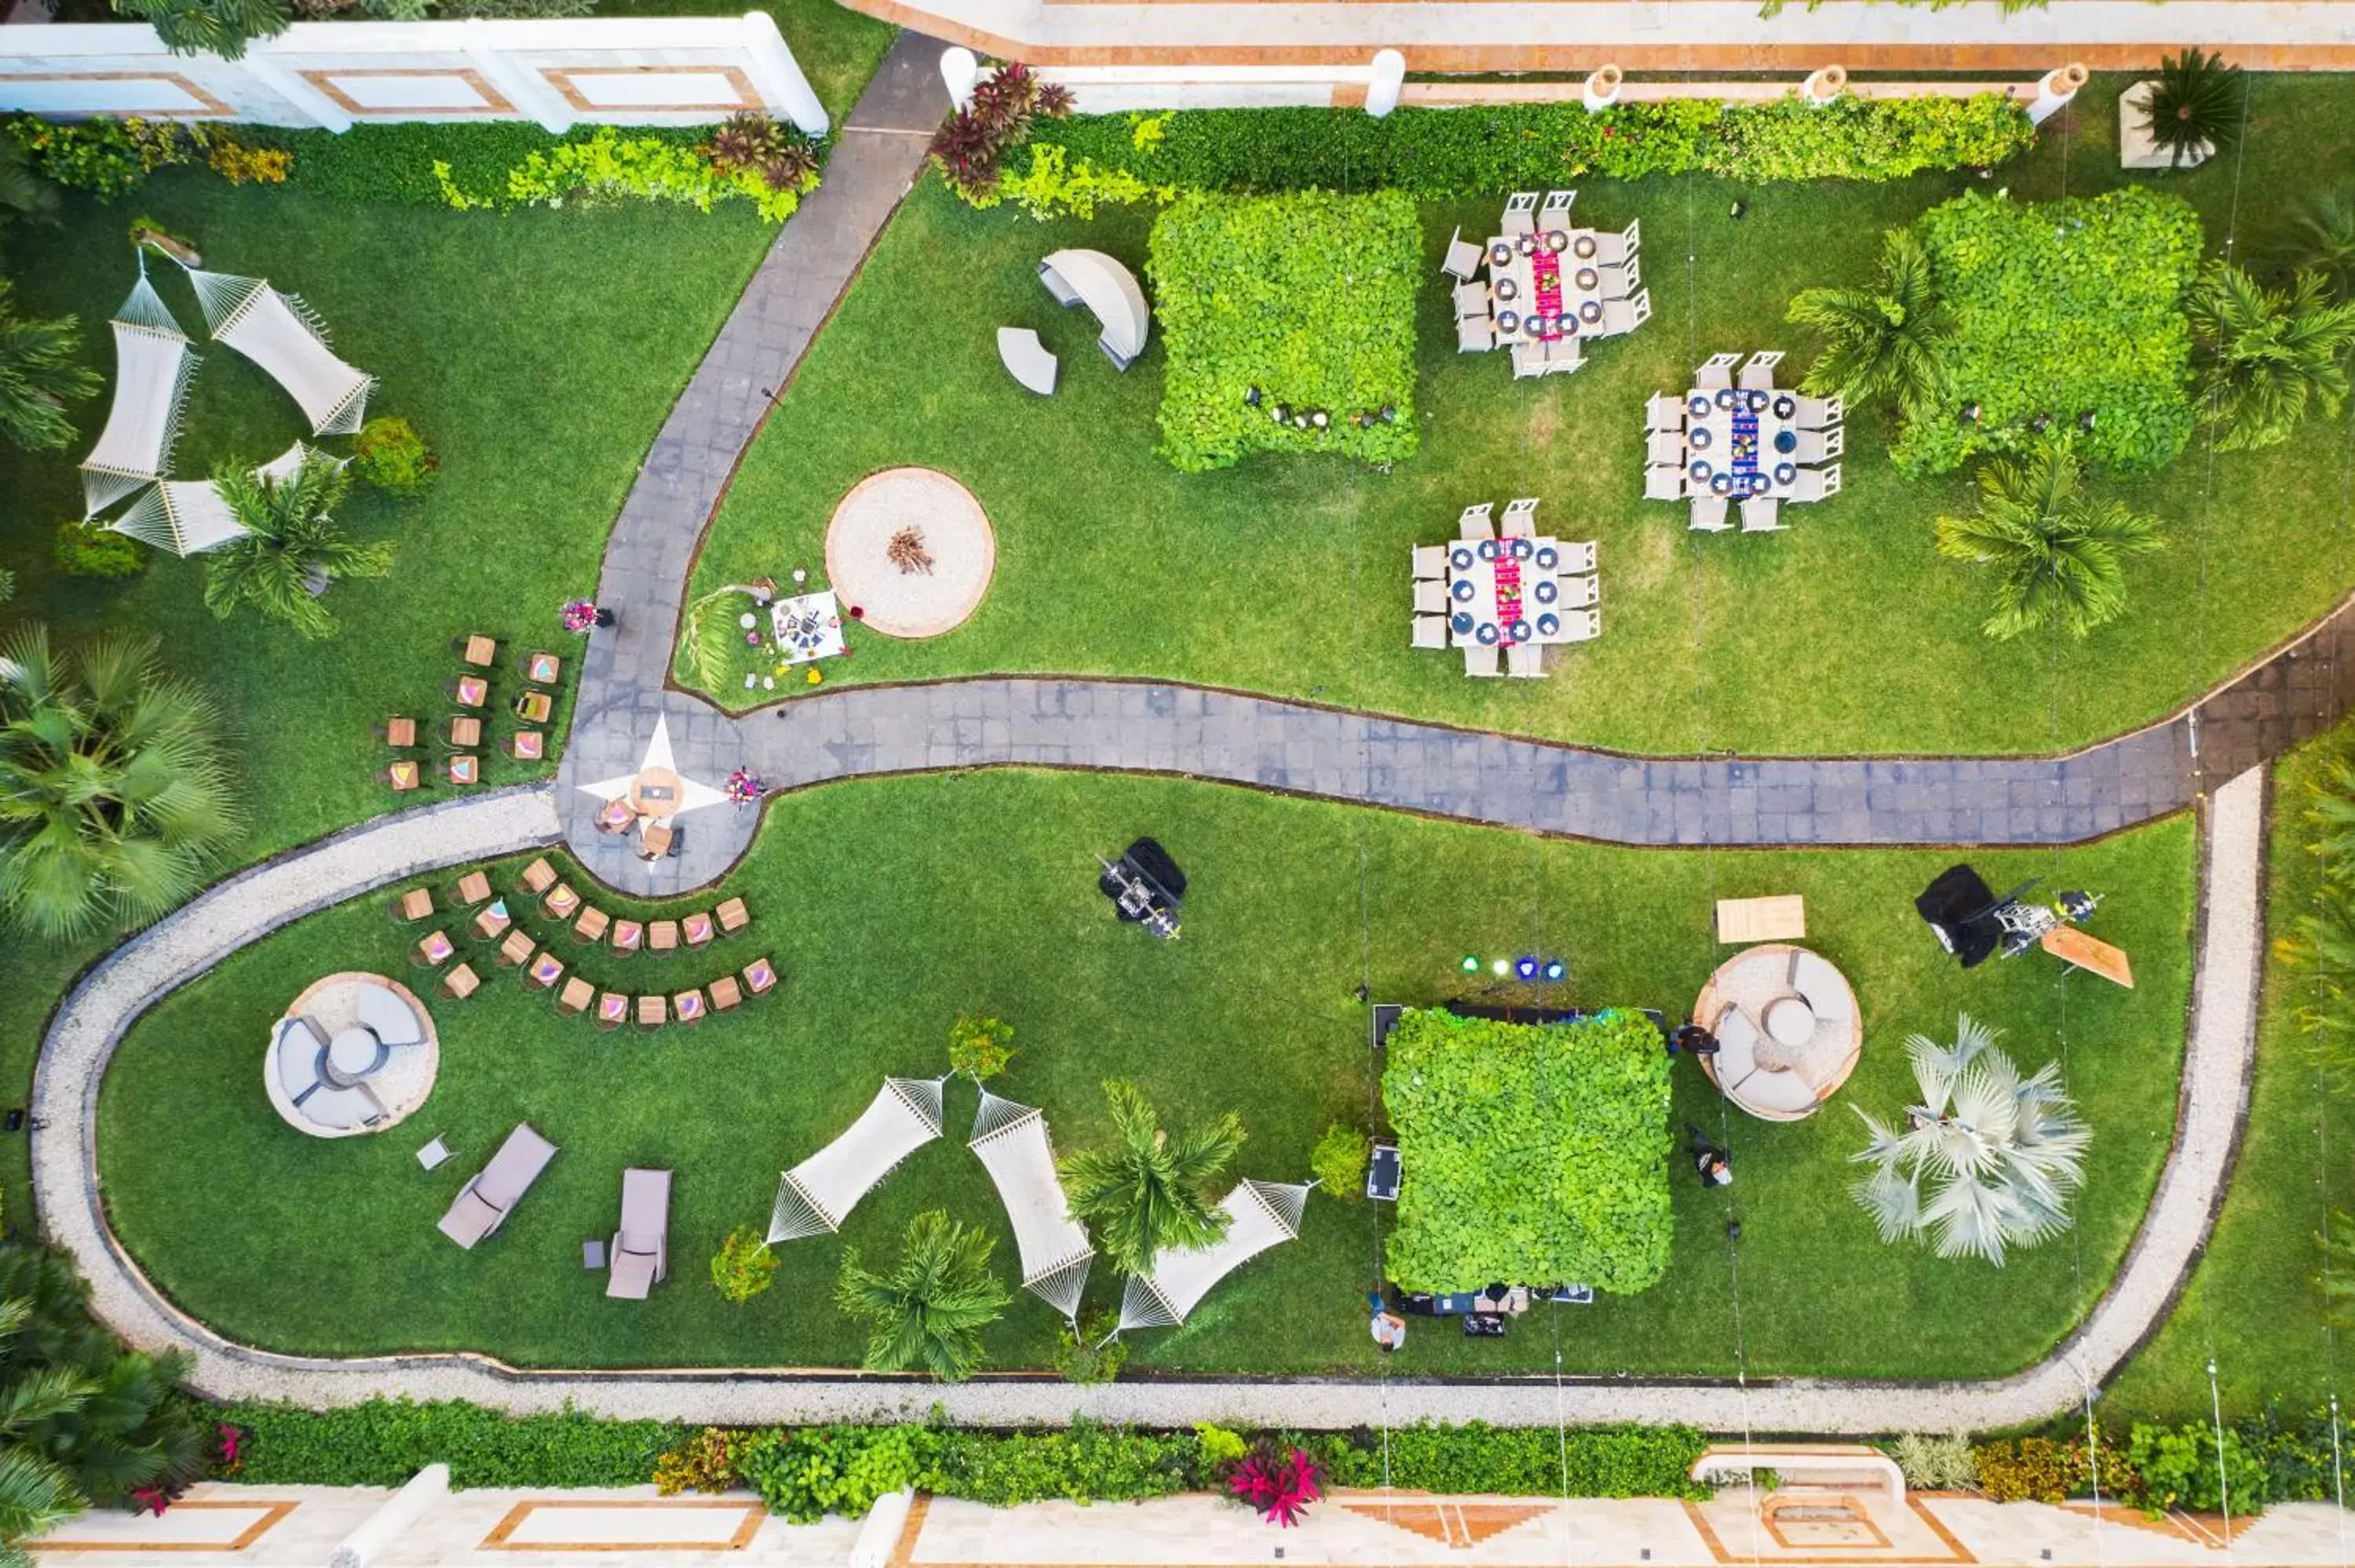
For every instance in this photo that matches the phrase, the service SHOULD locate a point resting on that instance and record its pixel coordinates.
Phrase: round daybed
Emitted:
(356, 1052)
(1788, 1031)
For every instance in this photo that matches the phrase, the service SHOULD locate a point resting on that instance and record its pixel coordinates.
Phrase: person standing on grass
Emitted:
(1710, 1163)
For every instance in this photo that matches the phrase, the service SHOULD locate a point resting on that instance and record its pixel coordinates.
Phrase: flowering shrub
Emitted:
(1280, 1487)
(971, 140)
(580, 615)
(239, 164)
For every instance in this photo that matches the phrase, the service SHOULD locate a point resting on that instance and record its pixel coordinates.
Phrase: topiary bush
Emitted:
(385, 1442)
(1533, 1153)
(390, 455)
(1301, 306)
(1339, 1161)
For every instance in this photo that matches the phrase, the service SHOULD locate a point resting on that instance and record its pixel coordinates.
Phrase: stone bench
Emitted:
(1806, 1465)
(1027, 359)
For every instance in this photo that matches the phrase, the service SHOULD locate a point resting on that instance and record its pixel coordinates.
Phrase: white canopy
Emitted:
(1109, 290)
(1260, 1215)
(277, 333)
(1012, 1142)
(816, 1195)
(153, 363)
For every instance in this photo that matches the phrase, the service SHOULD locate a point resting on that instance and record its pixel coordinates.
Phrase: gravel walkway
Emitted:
(183, 946)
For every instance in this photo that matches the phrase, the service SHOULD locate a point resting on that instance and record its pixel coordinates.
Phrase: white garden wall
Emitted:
(588, 70)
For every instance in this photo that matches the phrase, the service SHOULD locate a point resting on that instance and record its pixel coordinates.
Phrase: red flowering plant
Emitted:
(230, 1458)
(970, 142)
(1278, 1486)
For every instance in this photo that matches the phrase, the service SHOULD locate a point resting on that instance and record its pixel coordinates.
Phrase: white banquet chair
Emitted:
(1554, 211)
(1528, 358)
(1664, 484)
(1463, 257)
(1471, 299)
(1479, 658)
(1665, 449)
(1762, 515)
(1577, 593)
(1474, 522)
(1610, 250)
(1717, 373)
(1815, 446)
(1581, 625)
(1663, 412)
(1758, 376)
(1520, 518)
(1709, 514)
(1575, 558)
(1816, 483)
(1525, 660)
(1430, 632)
(1520, 213)
(1475, 334)
(1817, 413)
(1430, 597)
(1430, 561)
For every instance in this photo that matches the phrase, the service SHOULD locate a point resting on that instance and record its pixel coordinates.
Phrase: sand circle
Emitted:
(913, 550)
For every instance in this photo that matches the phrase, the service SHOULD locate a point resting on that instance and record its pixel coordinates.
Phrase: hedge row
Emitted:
(385, 1442)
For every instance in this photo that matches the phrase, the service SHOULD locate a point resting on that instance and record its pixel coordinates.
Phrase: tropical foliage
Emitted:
(2066, 315)
(1884, 342)
(744, 1266)
(1530, 1153)
(293, 548)
(2194, 107)
(1289, 324)
(2319, 237)
(390, 455)
(981, 1047)
(1339, 1161)
(927, 1310)
(2059, 555)
(1006, 102)
(1278, 1484)
(221, 27)
(40, 373)
(2268, 357)
(606, 165)
(1151, 1189)
(2000, 1153)
(115, 802)
(24, 193)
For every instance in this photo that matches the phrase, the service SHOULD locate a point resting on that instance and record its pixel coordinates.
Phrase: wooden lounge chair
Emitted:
(533, 707)
(546, 970)
(528, 746)
(639, 1258)
(726, 993)
(575, 996)
(732, 916)
(433, 950)
(492, 920)
(628, 936)
(760, 976)
(484, 1203)
(697, 930)
(461, 983)
(662, 936)
(465, 732)
(401, 734)
(516, 951)
(653, 1013)
(414, 905)
(592, 924)
(539, 876)
(613, 1009)
(473, 888)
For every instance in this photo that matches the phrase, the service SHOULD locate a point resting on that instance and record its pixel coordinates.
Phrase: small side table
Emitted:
(592, 1256)
(433, 1154)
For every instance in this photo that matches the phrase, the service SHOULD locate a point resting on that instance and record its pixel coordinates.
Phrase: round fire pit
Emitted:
(913, 550)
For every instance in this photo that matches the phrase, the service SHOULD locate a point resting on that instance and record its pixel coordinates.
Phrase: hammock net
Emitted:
(1262, 1214)
(817, 1194)
(153, 363)
(277, 333)
(185, 516)
(1012, 1142)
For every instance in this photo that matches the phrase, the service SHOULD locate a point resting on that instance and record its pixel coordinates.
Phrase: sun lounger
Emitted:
(639, 1258)
(484, 1202)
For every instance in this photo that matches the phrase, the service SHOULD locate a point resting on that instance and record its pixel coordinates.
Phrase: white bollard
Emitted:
(1382, 87)
(384, 1529)
(2054, 91)
(879, 1537)
(1602, 87)
(1825, 85)
(960, 72)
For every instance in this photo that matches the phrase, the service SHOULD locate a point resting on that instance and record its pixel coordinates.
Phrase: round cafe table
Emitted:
(655, 792)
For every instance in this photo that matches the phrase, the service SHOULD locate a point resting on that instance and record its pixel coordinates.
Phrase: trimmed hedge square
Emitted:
(1532, 1155)
(1307, 297)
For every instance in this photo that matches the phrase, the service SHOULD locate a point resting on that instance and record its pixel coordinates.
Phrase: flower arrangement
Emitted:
(1280, 1487)
(743, 788)
(580, 615)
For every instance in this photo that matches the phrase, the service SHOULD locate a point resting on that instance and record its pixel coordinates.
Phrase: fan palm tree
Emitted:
(114, 799)
(2321, 239)
(36, 1493)
(929, 1310)
(2267, 357)
(1152, 1189)
(2001, 1153)
(2194, 107)
(2059, 555)
(1883, 341)
(221, 27)
(39, 374)
(292, 547)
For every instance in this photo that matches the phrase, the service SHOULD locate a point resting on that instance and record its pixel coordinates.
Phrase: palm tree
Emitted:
(292, 547)
(115, 798)
(1883, 341)
(39, 374)
(2322, 240)
(23, 192)
(2267, 357)
(930, 1309)
(2059, 555)
(1151, 1189)
(2193, 107)
(221, 27)
(36, 1495)
(2001, 1153)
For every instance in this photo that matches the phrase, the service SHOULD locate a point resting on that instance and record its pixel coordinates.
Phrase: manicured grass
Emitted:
(1289, 576)
(839, 49)
(892, 905)
(2251, 1306)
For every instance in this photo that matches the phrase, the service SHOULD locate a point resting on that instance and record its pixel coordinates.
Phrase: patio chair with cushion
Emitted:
(733, 916)
(616, 816)
(662, 936)
(1709, 514)
(1815, 446)
(476, 650)
(1473, 522)
(539, 876)
(433, 950)
(1462, 258)
(484, 1203)
(533, 707)
(726, 993)
(1529, 359)
(1520, 213)
(1520, 518)
(1817, 413)
(562, 902)
(528, 746)
(1663, 484)
(628, 936)
(1471, 301)
(653, 1013)
(686, 1006)
(546, 970)
(1525, 660)
(1762, 515)
(468, 691)
(492, 920)
(1816, 483)
(1430, 561)
(473, 888)
(697, 928)
(760, 976)
(575, 996)
(1718, 373)
(1430, 597)
(540, 667)
(461, 983)
(1430, 632)
(1665, 449)
(613, 1009)
(401, 776)
(465, 768)
(1664, 411)
(639, 1258)
(1758, 374)
(401, 734)
(1475, 334)
(592, 925)
(1479, 658)
(1576, 557)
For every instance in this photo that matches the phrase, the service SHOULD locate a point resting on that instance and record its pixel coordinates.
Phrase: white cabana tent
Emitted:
(1012, 1142)
(277, 333)
(188, 517)
(816, 1195)
(1108, 289)
(153, 363)
(1260, 1215)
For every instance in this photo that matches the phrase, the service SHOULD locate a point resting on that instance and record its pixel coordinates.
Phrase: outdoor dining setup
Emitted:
(1737, 439)
(1505, 594)
(1548, 287)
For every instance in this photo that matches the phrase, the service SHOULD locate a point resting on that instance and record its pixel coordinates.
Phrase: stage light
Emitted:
(1527, 967)
(1555, 969)
(1501, 968)
(1471, 964)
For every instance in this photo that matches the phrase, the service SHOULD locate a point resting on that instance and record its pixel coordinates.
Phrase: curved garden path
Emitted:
(1214, 734)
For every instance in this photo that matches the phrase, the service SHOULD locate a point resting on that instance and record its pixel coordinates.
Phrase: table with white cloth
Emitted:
(807, 626)
(1503, 592)
(1741, 444)
(1544, 287)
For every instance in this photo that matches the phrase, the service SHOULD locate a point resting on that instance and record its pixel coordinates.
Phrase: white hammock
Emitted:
(816, 1195)
(1011, 1140)
(185, 516)
(277, 333)
(153, 363)
(1262, 1214)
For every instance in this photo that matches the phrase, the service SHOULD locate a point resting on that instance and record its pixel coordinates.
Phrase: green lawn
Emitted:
(838, 48)
(1288, 576)
(2251, 1307)
(892, 905)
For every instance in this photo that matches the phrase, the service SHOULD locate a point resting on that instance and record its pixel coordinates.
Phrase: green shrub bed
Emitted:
(385, 1442)
(1530, 1153)
(2062, 309)
(1301, 304)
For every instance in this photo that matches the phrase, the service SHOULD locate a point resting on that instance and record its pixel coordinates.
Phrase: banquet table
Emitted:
(1745, 439)
(1558, 256)
(1493, 583)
